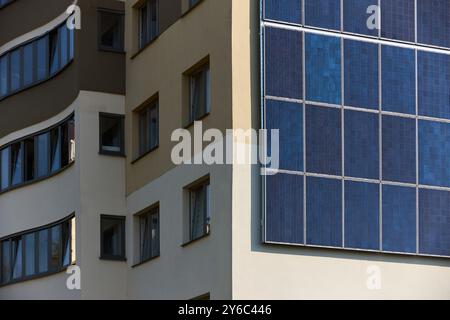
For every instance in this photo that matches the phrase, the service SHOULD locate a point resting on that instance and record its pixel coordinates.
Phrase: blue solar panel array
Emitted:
(364, 125)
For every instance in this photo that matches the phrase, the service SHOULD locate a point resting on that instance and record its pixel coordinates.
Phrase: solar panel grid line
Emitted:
(343, 126)
(380, 113)
(362, 38)
(380, 138)
(305, 185)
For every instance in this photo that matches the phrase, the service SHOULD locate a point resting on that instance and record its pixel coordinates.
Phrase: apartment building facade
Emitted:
(357, 208)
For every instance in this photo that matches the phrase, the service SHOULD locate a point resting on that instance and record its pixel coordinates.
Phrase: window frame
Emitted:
(102, 47)
(121, 119)
(122, 256)
(204, 184)
(150, 37)
(35, 74)
(143, 146)
(205, 71)
(154, 211)
(36, 231)
(34, 136)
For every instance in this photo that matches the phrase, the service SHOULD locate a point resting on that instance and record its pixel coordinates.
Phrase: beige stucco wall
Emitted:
(281, 272)
(159, 68)
(93, 185)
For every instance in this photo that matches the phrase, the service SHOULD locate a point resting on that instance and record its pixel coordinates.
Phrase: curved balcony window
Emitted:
(37, 252)
(36, 61)
(3, 3)
(37, 156)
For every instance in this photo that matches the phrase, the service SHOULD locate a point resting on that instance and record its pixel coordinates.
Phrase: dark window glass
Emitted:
(199, 91)
(149, 234)
(434, 84)
(361, 74)
(63, 39)
(434, 226)
(65, 150)
(148, 128)
(16, 69)
(284, 208)
(43, 251)
(16, 163)
(28, 64)
(4, 75)
(29, 159)
(323, 140)
(42, 156)
(55, 252)
(356, 16)
(362, 215)
(17, 258)
(30, 251)
(71, 44)
(323, 212)
(54, 49)
(111, 30)
(113, 237)
(4, 158)
(323, 13)
(323, 68)
(66, 243)
(42, 60)
(199, 211)
(399, 219)
(434, 153)
(193, 3)
(6, 271)
(288, 119)
(433, 22)
(148, 16)
(283, 63)
(398, 20)
(399, 79)
(111, 134)
(399, 149)
(55, 151)
(361, 145)
(284, 10)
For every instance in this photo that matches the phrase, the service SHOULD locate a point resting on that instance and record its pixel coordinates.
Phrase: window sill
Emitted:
(111, 50)
(145, 46)
(107, 258)
(144, 154)
(195, 240)
(36, 276)
(190, 124)
(145, 261)
(112, 154)
(191, 8)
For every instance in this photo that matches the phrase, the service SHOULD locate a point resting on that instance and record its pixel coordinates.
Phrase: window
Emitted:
(4, 174)
(193, 3)
(148, 128)
(283, 10)
(112, 237)
(323, 69)
(199, 94)
(38, 252)
(199, 211)
(5, 2)
(36, 61)
(111, 30)
(149, 234)
(111, 134)
(284, 223)
(283, 63)
(37, 156)
(148, 22)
